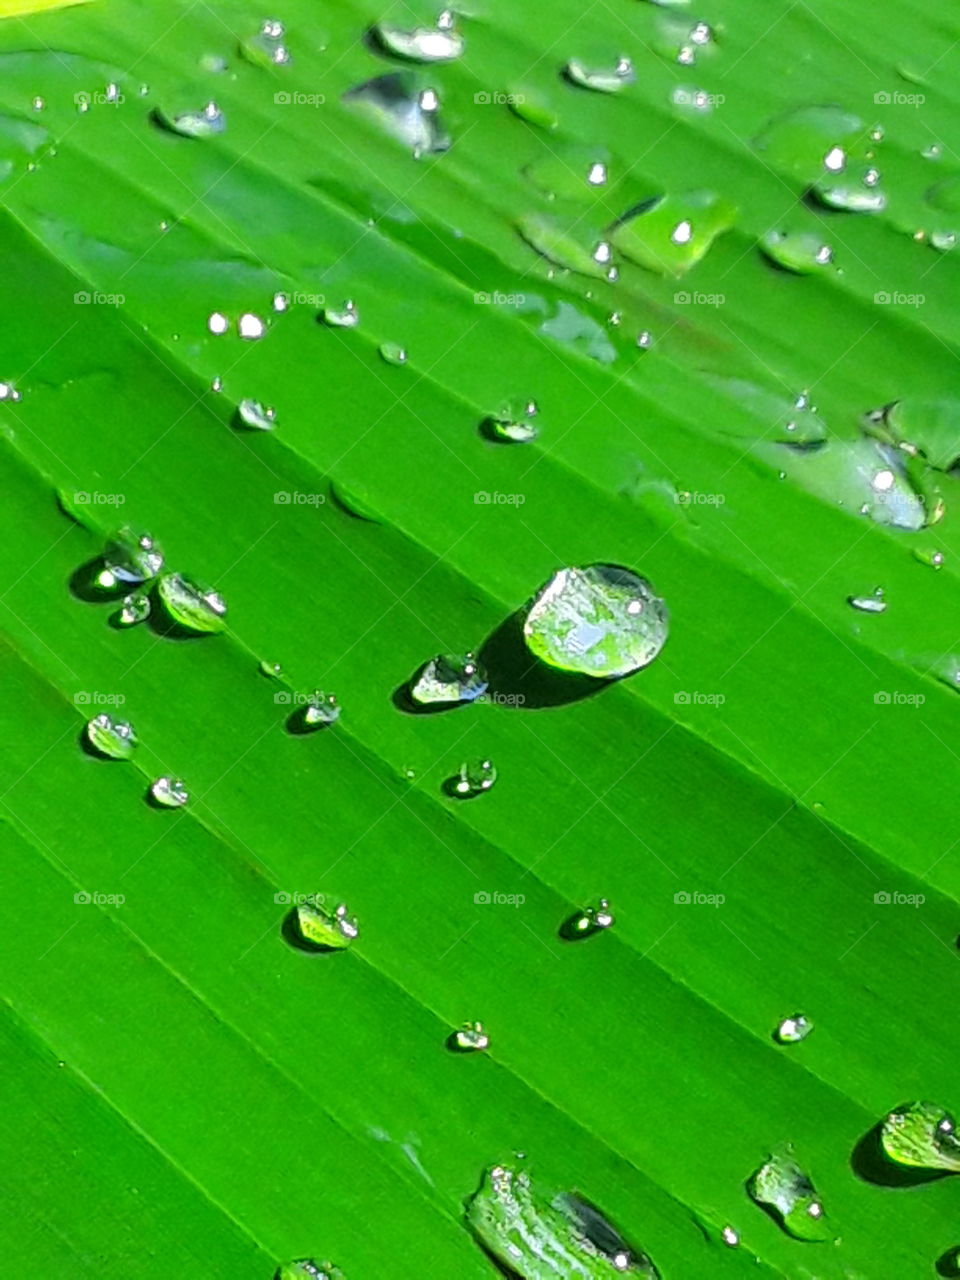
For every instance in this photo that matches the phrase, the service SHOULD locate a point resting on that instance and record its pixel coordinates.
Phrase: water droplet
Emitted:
(345, 317)
(113, 738)
(393, 353)
(170, 792)
(217, 322)
(475, 777)
(250, 327)
(928, 556)
(83, 106)
(794, 1029)
(450, 678)
(781, 1186)
(869, 604)
(251, 413)
(527, 107)
(558, 245)
(403, 110)
(216, 384)
(194, 124)
(601, 79)
(601, 620)
(472, 1036)
(321, 709)
(281, 302)
(855, 194)
(266, 47)
(39, 104)
(797, 251)
(923, 1136)
(512, 423)
(944, 241)
(323, 928)
(307, 1269)
(191, 605)
(730, 1237)
(273, 670)
(9, 392)
(536, 1234)
(933, 152)
(421, 44)
(135, 608)
(672, 233)
(597, 174)
(130, 556)
(591, 920)
(645, 339)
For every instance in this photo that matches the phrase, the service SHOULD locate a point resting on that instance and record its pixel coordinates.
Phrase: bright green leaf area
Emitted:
(189, 1096)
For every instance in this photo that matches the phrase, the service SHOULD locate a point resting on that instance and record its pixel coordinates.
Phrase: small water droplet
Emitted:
(794, 1029)
(9, 392)
(266, 47)
(321, 709)
(324, 928)
(597, 175)
(39, 104)
(422, 44)
(944, 241)
(272, 670)
(591, 920)
(472, 1036)
(217, 322)
(130, 556)
(191, 605)
(928, 556)
(251, 413)
(170, 792)
(475, 777)
(205, 123)
(730, 1237)
(393, 353)
(345, 317)
(645, 339)
(601, 620)
(835, 161)
(601, 79)
(797, 251)
(250, 327)
(216, 384)
(782, 1186)
(135, 608)
(115, 739)
(869, 604)
(450, 678)
(281, 302)
(933, 152)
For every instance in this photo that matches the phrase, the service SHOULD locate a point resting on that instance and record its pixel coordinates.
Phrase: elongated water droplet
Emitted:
(923, 1136)
(307, 1269)
(539, 1236)
(113, 738)
(793, 1029)
(560, 246)
(601, 79)
(344, 317)
(671, 234)
(325, 928)
(134, 608)
(273, 670)
(170, 792)
(475, 777)
(130, 556)
(797, 251)
(601, 620)
(472, 1036)
(393, 353)
(205, 123)
(321, 709)
(252, 413)
(782, 1187)
(192, 605)
(403, 109)
(450, 678)
(421, 44)
(868, 604)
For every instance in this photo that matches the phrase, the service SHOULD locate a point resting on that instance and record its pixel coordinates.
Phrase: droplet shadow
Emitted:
(948, 1264)
(871, 1164)
(83, 584)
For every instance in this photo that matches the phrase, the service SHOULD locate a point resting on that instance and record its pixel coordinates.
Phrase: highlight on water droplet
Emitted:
(344, 317)
(922, 1135)
(474, 777)
(471, 1037)
(191, 605)
(793, 1029)
(250, 327)
(217, 323)
(782, 1188)
(328, 929)
(204, 123)
(114, 739)
(601, 620)
(874, 603)
(169, 792)
(130, 556)
(449, 678)
(321, 709)
(133, 609)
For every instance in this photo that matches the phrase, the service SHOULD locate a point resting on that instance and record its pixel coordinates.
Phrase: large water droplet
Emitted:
(923, 1136)
(130, 556)
(170, 792)
(205, 123)
(540, 1236)
(191, 605)
(450, 678)
(793, 1029)
(797, 251)
(113, 738)
(671, 234)
(420, 44)
(476, 776)
(404, 110)
(323, 928)
(782, 1187)
(610, 79)
(600, 620)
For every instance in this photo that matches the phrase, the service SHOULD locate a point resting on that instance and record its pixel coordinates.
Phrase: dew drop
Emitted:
(130, 556)
(191, 605)
(393, 353)
(250, 327)
(345, 317)
(321, 709)
(217, 323)
(794, 1029)
(281, 302)
(590, 920)
(307, 1269)
(170, 792)
(600, 79)
(205, 123)
(9, 392)
(869, 604)
(597, 175)
(272, 670)
(335, 929)
(923, 1136)
(39, 104)
(114, 739)
(471, 1036)
(730, 1237)
(798, 251)
(135, 608)
(251, 413)
(449, 678)
(475, 777)
(781, 1186)
(422, 44)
